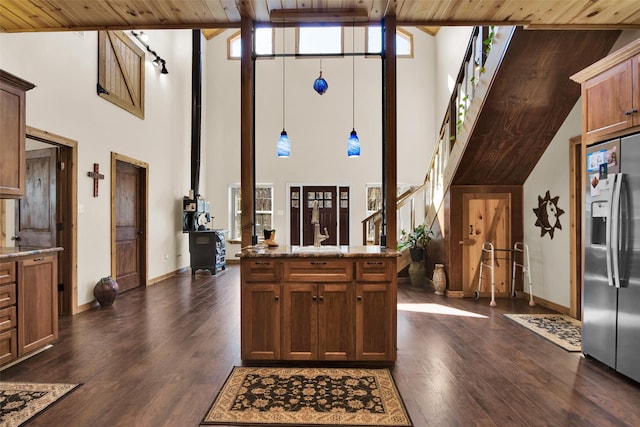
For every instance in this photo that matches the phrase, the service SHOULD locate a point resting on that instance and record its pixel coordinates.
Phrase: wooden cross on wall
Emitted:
(96, 175)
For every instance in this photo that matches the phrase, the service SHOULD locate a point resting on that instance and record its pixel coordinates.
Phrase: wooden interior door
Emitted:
(486, 218)
(130, 200)
(327, 207)
(36, 212)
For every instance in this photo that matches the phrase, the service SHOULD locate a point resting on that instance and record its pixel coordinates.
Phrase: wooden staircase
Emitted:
(512, 94)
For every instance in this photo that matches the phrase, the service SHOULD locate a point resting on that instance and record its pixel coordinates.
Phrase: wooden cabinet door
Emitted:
(37, 303)
(12, 133)
(335, 321)
(300, 321)
(606, 98)
(260, 321)
(375, 321)
(12, 130)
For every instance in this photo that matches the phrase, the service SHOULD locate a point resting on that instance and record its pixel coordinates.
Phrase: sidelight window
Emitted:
(263, 208)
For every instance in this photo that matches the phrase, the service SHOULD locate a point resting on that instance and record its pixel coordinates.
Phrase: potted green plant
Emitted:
(417, 241)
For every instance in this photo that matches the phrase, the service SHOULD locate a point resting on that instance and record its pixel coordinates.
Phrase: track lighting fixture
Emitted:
(158, 61)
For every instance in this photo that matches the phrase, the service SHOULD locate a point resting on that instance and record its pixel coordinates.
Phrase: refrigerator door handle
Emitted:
(608, 230)
(615, 229)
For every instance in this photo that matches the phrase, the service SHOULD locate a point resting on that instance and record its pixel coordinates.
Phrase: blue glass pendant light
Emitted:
(284, 146)
(320, 85)
(353, 144)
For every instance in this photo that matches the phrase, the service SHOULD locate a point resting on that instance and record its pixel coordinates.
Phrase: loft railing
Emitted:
(424, 201)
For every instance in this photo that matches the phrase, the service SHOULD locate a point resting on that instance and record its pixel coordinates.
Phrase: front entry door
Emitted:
(36, 212)
(486, 219)
(130, 200)
(327, 207)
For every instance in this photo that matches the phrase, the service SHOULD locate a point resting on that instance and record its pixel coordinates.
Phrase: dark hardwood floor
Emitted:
(160, 355)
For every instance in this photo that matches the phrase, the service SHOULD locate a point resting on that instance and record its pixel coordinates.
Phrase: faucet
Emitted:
(318, 237)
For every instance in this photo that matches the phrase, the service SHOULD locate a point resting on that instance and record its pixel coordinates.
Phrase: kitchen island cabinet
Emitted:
(330, 306)
(28, 301)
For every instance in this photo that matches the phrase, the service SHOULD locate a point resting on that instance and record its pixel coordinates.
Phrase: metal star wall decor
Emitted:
(548, 214)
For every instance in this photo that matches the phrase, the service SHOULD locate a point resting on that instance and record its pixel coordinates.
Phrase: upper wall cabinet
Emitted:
(12, 133)
(611, 95)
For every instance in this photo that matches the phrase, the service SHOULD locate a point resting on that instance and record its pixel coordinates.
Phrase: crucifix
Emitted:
(96, 175)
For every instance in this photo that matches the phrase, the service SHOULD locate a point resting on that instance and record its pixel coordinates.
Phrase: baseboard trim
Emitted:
(166, 276)
(548, 304)
(454, 294)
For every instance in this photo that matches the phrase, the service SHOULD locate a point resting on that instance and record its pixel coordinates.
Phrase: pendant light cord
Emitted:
(353, 77)
(283, 74)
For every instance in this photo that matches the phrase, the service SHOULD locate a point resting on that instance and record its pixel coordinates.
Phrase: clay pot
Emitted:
(106, 291)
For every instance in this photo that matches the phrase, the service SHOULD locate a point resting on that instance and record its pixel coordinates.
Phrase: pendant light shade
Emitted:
(320, 85)
(353, 145)
(284, 146)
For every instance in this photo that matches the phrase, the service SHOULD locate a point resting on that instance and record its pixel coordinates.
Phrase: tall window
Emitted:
(264, 211)
(404, 42)
(320, 40)
(264, 43)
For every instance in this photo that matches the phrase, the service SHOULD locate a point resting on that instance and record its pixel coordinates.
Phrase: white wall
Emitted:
(318, 126)
(550, 262)
(63, 66)
(550, 267)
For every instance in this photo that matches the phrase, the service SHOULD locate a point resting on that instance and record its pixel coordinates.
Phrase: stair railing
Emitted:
(424, 201)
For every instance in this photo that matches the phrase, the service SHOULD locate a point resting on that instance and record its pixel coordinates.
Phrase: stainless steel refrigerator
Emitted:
(611, 309)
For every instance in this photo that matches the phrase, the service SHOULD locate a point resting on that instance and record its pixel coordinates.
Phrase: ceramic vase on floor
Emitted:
(106, 291)
(439, 279)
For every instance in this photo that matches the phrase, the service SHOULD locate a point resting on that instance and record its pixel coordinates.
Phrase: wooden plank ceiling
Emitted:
(78, 15)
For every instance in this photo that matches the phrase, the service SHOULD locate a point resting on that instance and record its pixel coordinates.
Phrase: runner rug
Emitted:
(308, 396)
(562, 330)
(19, 402)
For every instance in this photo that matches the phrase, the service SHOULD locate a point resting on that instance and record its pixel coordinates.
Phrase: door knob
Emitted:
(16, 238)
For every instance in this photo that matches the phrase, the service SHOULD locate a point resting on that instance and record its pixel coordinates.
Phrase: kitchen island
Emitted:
(28, 301)
(319, 304)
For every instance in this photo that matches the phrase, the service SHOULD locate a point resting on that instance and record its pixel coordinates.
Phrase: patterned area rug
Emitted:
(308, 396)
(19, 402)
(562, 330)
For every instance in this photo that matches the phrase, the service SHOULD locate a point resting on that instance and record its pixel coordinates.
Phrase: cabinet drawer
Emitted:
(7, 295)
(8, 346)
(7, 318)
(7, 272)
(374, 270)
(317, 270)
(259, 270)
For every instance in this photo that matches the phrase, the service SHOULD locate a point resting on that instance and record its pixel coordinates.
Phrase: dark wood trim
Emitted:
(389, 155)
(576, 205)
(247, 153)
